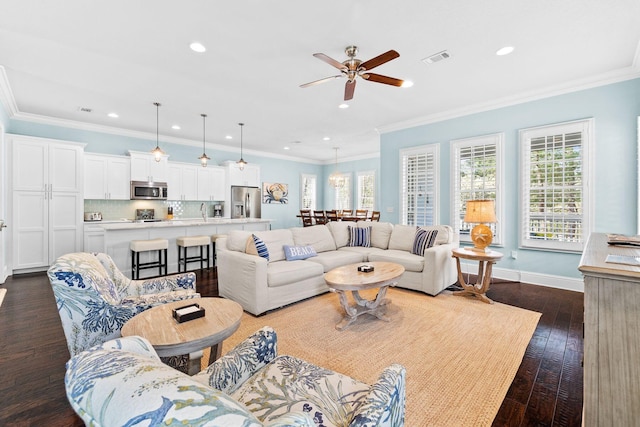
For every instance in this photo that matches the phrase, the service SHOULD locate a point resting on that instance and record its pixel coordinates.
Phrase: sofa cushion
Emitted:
(359, 236)
(275, 241)
(402, 237)
(380, 233)
(285, 273)
(445, 233)
(364, 252)
(424, 239)
(317, 236)
(340, 232)
(332, 259)
(294, 253)
(237, 240)
(409, 261)
(255, 246)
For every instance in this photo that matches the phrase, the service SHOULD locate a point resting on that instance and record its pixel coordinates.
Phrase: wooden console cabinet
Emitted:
(612, 336)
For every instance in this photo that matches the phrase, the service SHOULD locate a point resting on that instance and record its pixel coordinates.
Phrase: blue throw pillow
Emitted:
(424, 240)
(261, 248)
(293, 253)
(359, 236)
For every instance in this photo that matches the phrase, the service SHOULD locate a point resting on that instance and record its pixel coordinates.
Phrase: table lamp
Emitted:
(481, 212)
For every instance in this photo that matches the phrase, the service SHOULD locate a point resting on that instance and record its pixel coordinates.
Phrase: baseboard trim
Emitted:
(549, 280)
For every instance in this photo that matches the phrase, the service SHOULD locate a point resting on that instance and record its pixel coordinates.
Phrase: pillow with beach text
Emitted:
(293, 253)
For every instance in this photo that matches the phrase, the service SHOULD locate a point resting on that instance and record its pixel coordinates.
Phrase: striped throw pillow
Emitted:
(424, 239)
(359, 236)
(261, 248)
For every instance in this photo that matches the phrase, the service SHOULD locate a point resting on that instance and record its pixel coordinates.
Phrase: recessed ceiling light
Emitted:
(228, 137)
(197, 47)
(504, 51)
(176, 127)
(286, 147)
(326, 138)
(407, 83)
(343, 106)
(113, 115)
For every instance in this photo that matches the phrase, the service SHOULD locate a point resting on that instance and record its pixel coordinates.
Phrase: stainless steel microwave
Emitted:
(143, 190)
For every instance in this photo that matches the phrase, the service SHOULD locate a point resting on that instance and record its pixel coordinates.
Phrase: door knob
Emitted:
(2, 224)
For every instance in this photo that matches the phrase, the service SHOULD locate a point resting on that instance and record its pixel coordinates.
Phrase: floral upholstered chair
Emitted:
(95, 299)
(122, 382)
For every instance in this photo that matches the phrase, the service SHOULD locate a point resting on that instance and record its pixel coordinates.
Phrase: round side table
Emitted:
(485, 265)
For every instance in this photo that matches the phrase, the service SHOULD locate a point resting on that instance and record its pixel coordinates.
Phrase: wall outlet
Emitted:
(514, 254)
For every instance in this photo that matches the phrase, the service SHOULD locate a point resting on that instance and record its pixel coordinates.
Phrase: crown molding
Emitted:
(6, 95)
(616, 76)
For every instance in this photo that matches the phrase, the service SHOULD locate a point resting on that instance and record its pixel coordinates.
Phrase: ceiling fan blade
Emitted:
(349, 87)
(339, 65)
(382, 79)
(379, 60)
(326, 79)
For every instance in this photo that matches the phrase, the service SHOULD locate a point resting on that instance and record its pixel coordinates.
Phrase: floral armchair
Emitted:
(95, 299)
(122, 382)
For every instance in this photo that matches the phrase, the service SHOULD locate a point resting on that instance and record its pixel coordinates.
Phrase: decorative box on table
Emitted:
(188, 312)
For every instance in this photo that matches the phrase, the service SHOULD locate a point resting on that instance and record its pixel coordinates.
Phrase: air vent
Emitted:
(85, 109)
(437, 57)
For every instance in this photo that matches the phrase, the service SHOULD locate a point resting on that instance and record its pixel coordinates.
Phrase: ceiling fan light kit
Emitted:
(353, 68)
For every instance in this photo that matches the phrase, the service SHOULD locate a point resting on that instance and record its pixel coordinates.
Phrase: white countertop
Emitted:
(185, 222)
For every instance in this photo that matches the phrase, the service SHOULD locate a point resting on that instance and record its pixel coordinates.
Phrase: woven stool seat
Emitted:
(186, 242)
(148, 245)
(189, 241)
(138, 246)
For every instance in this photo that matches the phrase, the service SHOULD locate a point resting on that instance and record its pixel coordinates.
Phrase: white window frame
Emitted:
(360, 190)
(344, 191)
(586, 127)
(457, 209)
(314, 191)
(433, 151)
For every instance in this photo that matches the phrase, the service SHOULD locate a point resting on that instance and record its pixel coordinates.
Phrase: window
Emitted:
(366, 190)
(419, 169)
(308, 191)
(556, 209)
(343, 193)
(477, 170)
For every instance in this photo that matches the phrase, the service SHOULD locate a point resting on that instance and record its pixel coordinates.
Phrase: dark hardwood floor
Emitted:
(547, 390)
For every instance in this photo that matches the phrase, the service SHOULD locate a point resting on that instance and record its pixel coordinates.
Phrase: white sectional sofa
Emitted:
(260, 285)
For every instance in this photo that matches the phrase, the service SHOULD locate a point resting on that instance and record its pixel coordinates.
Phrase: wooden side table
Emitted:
(170, 338)
(485, 265)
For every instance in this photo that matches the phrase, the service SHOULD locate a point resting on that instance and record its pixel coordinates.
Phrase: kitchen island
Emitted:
(114, 237)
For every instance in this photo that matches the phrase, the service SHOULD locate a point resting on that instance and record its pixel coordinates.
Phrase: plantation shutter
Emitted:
(419, 186)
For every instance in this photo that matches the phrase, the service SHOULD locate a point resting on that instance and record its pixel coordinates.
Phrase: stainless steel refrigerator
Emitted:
(245, 202)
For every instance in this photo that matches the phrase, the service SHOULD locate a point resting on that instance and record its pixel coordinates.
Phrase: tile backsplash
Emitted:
(126, 209)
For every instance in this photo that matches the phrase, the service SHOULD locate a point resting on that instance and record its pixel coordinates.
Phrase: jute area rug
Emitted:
(3, 292)
(461, 354)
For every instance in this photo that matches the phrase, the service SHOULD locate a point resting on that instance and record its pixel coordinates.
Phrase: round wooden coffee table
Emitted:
(170, 338)
(348, 278)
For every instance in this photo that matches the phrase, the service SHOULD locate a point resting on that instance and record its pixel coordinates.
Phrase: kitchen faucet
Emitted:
(203, 210)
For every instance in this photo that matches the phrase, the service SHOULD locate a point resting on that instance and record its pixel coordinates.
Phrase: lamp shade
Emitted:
(480, 211)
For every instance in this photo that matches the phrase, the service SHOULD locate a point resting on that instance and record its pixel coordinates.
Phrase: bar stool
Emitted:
(137, 246)
(215, 237)
(186, 242)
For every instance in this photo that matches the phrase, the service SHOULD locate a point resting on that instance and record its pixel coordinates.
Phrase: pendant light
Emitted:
(336, 179)
(204, 158)
(241, 163)
(157, 152)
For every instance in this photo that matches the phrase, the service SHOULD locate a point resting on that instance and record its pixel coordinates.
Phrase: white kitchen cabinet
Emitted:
(249, 176)
(107, 177)
(145, 168)
(47, 200)
(211, 183)
(182, 182)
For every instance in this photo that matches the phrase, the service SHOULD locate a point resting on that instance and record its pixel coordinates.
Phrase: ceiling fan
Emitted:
(353, 67)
